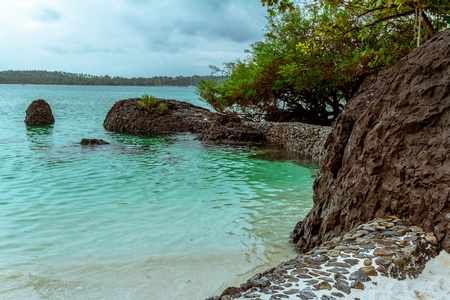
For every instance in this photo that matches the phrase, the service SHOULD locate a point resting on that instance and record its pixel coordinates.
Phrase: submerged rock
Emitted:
(93, 142)
(388, 153)
(39, 113)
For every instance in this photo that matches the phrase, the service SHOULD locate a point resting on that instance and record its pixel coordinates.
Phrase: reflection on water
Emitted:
(40, 136)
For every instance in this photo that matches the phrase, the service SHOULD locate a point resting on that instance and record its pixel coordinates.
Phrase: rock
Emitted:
(323, 286)
(327, 297)
(93, 142)
(39, 113)
(338, 270)
(231, 291)
(291, 291)
(430, 238)
(359, 276)
(341, 286)
(388, 152)
(127, 116)
(369, 271)
(382, 252)
(307, 294)
(337, 294)
(333, 253)
(416, 228)
(357, 285)
(231, 130)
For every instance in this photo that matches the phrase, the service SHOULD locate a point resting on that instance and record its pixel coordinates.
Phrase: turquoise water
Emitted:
(143, 218)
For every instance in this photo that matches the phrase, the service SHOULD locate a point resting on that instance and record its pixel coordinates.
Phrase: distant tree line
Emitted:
(65, 78)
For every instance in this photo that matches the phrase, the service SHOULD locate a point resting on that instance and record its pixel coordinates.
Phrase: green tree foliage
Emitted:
(314, 58)
(60, 78)
(278, 5)
(415, 20)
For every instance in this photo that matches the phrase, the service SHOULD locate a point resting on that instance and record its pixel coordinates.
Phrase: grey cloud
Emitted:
(177, 24)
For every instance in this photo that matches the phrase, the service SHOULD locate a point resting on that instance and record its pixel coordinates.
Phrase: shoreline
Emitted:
(385, 247)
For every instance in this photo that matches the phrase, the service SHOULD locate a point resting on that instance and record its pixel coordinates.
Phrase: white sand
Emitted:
(432, 284)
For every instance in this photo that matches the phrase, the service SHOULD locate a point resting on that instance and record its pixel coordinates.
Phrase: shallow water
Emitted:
(143, 218)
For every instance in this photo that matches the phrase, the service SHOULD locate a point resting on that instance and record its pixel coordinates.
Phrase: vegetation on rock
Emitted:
(152, 104)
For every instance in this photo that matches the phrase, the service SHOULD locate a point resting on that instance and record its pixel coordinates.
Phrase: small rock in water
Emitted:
(93, 142)
(39, 113)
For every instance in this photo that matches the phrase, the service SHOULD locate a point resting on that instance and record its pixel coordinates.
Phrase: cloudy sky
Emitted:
(127, 37)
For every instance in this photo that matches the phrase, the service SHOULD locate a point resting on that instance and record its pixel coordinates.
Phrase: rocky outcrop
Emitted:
(127, 116)
(389, 152)
(93, 142)
(39, 113)
(229, 129)
(304, 139)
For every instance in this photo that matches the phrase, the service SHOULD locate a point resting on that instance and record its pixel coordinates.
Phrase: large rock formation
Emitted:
(39, 113)
(389, 152)
(127, 116)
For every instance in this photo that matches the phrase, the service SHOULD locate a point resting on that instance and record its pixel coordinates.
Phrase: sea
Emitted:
(161, 217)
(148, 217)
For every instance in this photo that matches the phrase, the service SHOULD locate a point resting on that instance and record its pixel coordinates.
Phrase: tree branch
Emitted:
(428, 24)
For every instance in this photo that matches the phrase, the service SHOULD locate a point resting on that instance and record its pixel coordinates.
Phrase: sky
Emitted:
(128, 38)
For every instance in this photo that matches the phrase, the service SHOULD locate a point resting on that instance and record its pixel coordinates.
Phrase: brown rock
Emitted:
(127, 116)
(357, 285)
(323, 286)
(416, 228)
(39, 113)
(430, 238)
(370, 271)
(388, 152)
(381, 252)
(367, 262)
(401, 232)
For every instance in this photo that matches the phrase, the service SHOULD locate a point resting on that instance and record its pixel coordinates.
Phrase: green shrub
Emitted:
(152, 104)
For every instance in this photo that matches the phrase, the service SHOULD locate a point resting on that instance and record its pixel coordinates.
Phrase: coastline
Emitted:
(385, 247)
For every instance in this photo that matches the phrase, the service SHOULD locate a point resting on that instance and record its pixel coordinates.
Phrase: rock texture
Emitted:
(39, 113)
(389, 152)
(386, 246)
(127, 116)
(229, 129)
(93, 142)
(304, 139)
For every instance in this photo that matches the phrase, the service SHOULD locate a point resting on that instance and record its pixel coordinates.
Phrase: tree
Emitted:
(313, 58)
(418, 20)
(280, 81)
